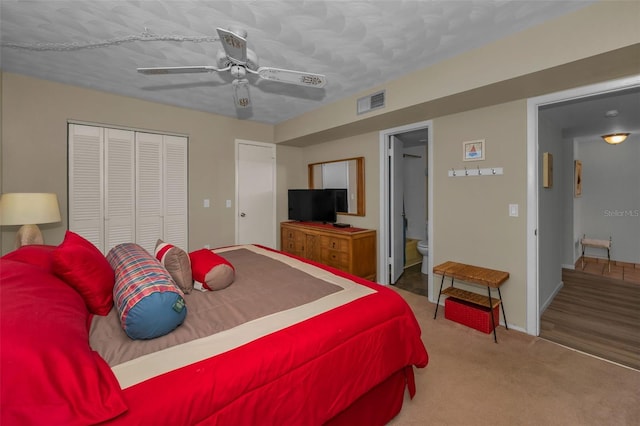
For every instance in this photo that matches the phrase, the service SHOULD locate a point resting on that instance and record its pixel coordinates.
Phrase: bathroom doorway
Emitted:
(406, 202)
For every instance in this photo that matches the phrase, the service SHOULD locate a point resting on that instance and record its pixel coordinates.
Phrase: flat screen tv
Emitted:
(312, 205)
(342, 201)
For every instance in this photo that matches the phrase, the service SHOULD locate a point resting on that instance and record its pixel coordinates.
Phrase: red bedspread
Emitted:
(303, 375)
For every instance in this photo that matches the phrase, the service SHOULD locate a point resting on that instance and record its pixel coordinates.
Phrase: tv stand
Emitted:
(352, 250)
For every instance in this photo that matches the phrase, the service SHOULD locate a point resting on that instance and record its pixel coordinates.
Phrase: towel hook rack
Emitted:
(490, 171)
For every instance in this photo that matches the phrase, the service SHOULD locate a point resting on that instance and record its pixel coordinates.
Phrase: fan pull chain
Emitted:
(146, 35)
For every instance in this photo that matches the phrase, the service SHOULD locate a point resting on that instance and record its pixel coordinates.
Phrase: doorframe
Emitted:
(274, 169)
(383, 235)
(533, 104)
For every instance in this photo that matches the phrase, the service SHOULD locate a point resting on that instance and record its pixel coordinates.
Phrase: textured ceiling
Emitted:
(356, 44)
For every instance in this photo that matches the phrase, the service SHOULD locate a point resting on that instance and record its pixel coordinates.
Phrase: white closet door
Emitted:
(86, 182)
(149, 199)
(119, 218)
(175, 191)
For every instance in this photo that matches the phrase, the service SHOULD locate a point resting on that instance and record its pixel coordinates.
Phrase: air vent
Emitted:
(371, 102)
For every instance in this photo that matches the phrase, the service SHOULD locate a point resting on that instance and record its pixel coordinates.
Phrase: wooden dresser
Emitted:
(352, 250)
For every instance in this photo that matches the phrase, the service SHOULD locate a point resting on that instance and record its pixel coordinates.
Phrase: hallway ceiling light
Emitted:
(615, 138)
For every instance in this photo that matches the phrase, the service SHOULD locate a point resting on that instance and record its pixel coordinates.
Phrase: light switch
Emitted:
(206, 203)
(228, 203)
(513, 210)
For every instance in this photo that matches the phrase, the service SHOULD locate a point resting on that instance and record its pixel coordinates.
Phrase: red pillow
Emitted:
(50, 374)
(83, 267)
(34, 254)
(210, 271)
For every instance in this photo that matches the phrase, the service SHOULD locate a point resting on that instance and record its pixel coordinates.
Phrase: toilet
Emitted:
(423, 249)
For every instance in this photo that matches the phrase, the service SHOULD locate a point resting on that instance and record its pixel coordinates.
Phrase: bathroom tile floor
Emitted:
(413, 280)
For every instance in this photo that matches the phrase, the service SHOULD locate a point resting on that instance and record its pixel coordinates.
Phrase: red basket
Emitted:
(471, 315)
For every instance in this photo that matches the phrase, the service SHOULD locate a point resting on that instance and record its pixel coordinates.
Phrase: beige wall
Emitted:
(365, 145)
(471, 221)
(291, 173)
(34, 149)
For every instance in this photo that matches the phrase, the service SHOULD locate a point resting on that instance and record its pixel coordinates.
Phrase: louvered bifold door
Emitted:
(86, 144)
(149, 200)
(175, 191)
(119, 202)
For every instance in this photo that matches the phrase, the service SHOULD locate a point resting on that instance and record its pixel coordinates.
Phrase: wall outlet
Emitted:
(207, 246)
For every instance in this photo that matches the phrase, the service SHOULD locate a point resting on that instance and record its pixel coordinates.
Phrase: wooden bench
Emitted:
(490, 278)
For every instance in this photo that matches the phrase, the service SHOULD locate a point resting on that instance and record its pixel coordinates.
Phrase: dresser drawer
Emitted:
(293, 241)
(334, 243)
(337, 259)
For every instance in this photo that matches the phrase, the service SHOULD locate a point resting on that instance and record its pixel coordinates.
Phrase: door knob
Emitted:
(242, 215)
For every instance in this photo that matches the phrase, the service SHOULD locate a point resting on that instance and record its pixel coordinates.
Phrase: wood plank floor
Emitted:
(598, 315)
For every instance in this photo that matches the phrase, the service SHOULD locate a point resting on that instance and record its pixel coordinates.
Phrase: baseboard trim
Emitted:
(547, 302)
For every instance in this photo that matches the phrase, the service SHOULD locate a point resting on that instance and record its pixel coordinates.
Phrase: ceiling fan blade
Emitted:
(292, 77)
(179, 70)
(234, 46)
(241, 93)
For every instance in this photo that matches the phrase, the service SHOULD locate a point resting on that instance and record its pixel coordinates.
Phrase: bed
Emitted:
(288, 342)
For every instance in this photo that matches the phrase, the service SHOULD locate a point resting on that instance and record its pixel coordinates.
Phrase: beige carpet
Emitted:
(521, 380)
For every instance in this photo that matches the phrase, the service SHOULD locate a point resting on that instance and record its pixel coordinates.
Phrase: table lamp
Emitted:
(28, 210)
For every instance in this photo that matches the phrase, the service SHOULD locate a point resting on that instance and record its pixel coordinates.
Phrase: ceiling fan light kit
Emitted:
(241, 93)
(238, 60)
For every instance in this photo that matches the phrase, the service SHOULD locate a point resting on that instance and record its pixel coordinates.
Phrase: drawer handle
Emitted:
(333, 244)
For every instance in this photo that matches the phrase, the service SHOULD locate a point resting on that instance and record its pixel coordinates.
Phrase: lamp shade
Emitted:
(28, 208)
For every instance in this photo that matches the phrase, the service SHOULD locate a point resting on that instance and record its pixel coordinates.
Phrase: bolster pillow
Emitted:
(210, 271)
(148, 301)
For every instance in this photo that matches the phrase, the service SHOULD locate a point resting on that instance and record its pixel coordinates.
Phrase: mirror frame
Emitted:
(360, 210)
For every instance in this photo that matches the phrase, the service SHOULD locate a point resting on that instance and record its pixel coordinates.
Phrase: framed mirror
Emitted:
(346, 176)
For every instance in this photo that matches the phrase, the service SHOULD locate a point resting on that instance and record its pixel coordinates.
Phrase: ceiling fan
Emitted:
(239, 60)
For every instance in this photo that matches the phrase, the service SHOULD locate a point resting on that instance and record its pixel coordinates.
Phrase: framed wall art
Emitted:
(473, 150)
(577, 171)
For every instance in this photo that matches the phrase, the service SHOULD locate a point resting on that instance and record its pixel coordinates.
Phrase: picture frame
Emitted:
(547, 170)
(577, 172)
(473, 150)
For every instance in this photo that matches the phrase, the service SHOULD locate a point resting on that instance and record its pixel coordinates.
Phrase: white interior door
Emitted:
(255, 193)
(396, 219)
